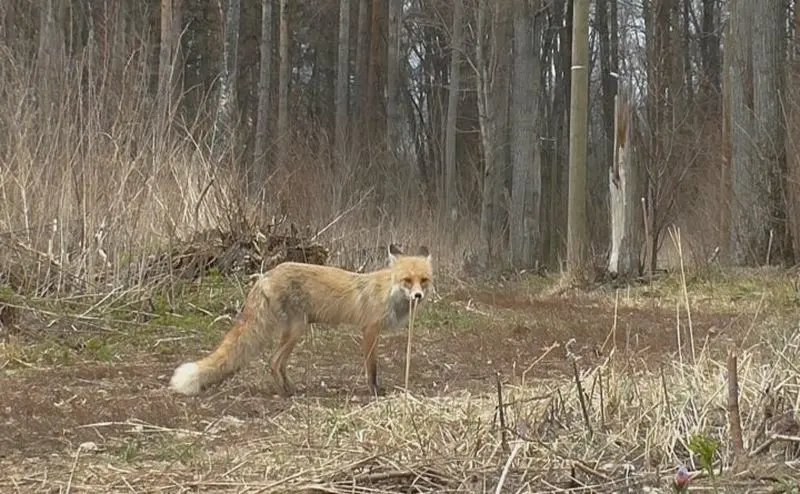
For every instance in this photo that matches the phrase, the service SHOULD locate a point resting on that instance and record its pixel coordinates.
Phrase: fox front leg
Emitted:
(371, 334)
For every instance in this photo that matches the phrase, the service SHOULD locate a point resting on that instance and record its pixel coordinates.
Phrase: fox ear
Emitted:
(423, 251)
(394, 251)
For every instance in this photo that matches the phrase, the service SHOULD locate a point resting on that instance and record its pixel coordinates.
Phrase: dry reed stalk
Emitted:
(412, 312)
(675, 234)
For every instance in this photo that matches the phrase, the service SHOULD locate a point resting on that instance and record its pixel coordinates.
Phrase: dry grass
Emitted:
(642, 412)
(452, 443)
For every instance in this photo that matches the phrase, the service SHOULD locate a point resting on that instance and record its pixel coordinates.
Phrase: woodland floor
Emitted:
(84, 404)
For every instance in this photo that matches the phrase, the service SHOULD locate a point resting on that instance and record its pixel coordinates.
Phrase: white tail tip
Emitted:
(186, 379)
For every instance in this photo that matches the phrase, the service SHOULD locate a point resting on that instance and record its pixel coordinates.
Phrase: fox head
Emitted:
(412, 274)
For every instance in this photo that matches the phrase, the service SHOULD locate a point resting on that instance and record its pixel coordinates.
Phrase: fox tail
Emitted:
(240, 345)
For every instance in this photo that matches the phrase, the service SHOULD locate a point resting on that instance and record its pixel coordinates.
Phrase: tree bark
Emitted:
(260, 162)
(374, 122)
(557, 190)
(493, 63)
(171, 22)
(283, 84)
(361, 80)
(524, 238)
(767, 235)
(226, 103)
(793, 130)
(623, 261)
(750, 205)
(51, 51)
(608, 68)
(342, 78)
(711, 59)
(577, 226)
(393, 115)
(450, 189)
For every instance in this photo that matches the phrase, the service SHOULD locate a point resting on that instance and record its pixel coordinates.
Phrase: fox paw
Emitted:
(377, 390)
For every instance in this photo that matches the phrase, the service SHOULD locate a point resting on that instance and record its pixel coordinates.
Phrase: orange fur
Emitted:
(292, 295)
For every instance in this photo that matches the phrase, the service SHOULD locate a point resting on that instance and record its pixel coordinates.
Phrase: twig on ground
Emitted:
(501, 414)
(581, 396)
(507, 467)
(734, 417)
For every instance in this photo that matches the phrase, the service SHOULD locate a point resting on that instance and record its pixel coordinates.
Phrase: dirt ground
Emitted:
(466, 337)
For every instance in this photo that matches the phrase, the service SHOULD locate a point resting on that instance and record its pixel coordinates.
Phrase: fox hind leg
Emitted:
(291, 332)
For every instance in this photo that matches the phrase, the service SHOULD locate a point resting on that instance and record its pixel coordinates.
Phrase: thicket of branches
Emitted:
(128, 126)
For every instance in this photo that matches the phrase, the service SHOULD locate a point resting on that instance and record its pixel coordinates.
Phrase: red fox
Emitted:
(291, 295)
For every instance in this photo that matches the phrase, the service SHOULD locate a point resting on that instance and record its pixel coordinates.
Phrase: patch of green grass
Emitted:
(128, 451)
(166, 449)
(447, 315)
(101, 349)
(106, 328)
(717, 289)
(15, 354)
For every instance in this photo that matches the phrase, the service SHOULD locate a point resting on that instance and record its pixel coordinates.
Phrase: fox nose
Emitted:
(418, 296)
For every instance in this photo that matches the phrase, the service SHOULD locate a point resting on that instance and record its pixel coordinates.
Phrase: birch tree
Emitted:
(226, 102)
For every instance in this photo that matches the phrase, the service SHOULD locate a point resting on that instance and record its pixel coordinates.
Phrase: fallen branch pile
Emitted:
(230, 254)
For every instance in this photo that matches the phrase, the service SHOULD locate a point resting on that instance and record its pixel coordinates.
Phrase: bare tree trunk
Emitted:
(749, 208)
(171, 23)
(608, 68)
(450, 189)
(362, 77)
(393, 115)
(686, 52)
(710, 56)
(725, 188)
(792, 133)
(493, 64)
(283, 85)
(524, 238)
(374, 123)
(557, 190)
(226, 104)
(51, 51)
(577, 226)
(769, 59)
(624, 196)
(342, 78)
(260, 163)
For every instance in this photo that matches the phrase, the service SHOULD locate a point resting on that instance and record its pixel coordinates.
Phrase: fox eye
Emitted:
(424, 281)
(407, 281)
